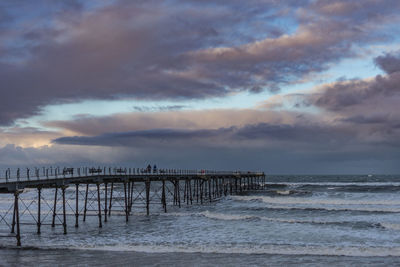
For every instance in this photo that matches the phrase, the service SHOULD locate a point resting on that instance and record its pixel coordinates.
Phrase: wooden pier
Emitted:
(106, 191)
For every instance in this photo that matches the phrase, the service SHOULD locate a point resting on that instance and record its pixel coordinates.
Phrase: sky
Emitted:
(285, 87)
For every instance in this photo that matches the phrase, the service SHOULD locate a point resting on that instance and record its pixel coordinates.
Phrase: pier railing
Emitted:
(45, 173)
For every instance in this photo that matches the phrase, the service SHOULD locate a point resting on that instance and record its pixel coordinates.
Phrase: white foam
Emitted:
(313, 201)
(283, 192)
(377, 184)
(235, 217)
(254, 249)
(227, 217)
(391, 226)
(393, 210)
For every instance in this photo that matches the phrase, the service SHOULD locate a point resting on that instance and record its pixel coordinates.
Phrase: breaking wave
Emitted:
(299, 200)
(263, 249)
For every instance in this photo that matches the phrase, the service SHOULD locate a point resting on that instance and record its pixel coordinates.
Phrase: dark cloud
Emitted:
(263, 133)
(154, 50)
(256, 89)
(276, 148)
(358, 93)
(360, 119)
(270, 160)
(140, 137)
(390, 63)
(362, 110)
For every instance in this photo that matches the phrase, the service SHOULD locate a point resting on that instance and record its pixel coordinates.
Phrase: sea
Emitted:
(298, 220)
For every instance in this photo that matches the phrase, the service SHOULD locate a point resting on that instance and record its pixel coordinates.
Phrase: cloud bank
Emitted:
(177, 50)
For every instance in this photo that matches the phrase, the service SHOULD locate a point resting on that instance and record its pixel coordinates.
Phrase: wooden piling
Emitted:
(38, 216)
(105, 202)
(131, 201)
(197, 190)
(53, 223)
(201, 192)
(190, 191)
(86, 198)
(111, 196)
(99, 205)
(76, 205)
(163, 197)
(64, 214)
(129, 197)
(179, 193)
(147, 197)
(18, 236)
(126, 203)
(209, 190)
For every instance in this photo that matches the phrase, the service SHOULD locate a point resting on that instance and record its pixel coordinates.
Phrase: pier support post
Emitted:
(175, 192)
(179, 193)
(76, 205)
(86, 197)
(111, 196)
(99, 204)
(105, 202)
(18, 236)
(64, 214)
(126, 203)
(163, 198)
(190, 191)
(148, 197)
(129, 197)
(216, 187)
(13, 221)
(53, 223)
(185, 190)
(236, 185)
(209, 190)
(197, 190)
(38, 218)
(201, 192)
(131, 201)
(187, 198)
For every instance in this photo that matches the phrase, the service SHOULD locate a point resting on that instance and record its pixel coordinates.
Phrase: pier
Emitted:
(56, 197)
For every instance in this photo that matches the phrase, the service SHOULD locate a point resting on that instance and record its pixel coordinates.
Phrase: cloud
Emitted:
(153, 50)
(360, 119)
(12, 155)
(181, 119)
(262, 134)
(359, 94)
(271, 160)
(27, 136)
(140, 138)
(368, 108)
(390, 63)
(158, 108)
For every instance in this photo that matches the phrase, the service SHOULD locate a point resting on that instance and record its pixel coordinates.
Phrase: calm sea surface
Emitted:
(306, 220)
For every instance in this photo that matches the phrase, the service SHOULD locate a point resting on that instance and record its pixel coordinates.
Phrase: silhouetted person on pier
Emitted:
(154, 169)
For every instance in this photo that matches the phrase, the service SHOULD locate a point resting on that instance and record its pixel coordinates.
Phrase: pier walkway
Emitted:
(47, 196)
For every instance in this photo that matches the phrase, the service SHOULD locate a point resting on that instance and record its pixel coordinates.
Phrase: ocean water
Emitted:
(298, 220)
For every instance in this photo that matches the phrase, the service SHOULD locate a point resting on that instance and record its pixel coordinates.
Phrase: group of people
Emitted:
(148, 169)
